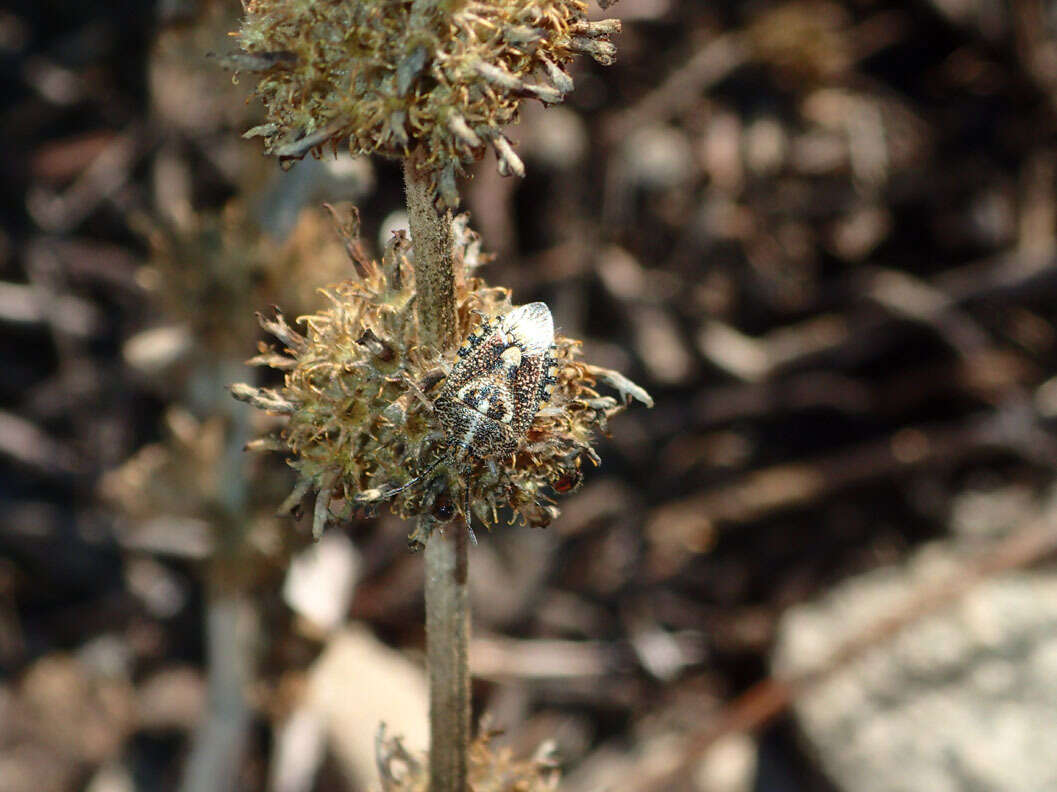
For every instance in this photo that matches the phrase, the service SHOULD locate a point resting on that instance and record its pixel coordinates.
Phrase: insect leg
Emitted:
(469, 527)
(416, 479)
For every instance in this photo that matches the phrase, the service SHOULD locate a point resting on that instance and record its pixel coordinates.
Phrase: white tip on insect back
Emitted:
(532, 327)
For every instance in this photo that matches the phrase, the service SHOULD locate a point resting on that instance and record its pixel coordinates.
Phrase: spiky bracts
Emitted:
(491, 768)
(444, 76)
(359, 390)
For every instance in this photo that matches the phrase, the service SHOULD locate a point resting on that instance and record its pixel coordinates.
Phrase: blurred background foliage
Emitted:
(820, 233)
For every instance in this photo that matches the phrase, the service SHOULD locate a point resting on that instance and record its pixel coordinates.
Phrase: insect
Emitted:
(504, 371)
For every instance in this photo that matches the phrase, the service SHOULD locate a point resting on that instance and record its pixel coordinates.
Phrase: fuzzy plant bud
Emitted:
(392, 76)
(376, 415)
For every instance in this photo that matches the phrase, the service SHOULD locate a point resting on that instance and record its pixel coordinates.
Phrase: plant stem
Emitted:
(433, 242)
(447, 650)
(447, 608)
(220, 739)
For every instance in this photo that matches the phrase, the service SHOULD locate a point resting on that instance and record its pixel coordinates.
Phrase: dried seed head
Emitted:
(364, 395)
(213, 272)
(490, 767)
(390, 75)
(173, 497)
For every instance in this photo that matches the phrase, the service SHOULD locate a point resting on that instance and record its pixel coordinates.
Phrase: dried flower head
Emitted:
(491, 769)
(174, 497)
(392, 75)
(359, 391)
(211, 272)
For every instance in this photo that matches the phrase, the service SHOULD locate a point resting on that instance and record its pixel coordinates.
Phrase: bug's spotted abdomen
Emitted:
(489, 400)
(494, 389)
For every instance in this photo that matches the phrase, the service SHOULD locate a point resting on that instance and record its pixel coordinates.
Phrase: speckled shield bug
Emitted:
(503, 372)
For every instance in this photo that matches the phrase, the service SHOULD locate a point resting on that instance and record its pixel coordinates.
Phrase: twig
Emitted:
(683, 88)
(763, 491)
(20, 304)
(27, 444)
(764, 701)
(102, 179)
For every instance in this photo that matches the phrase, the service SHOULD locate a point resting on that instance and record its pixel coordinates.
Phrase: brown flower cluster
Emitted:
(492, 769)
(358, 392)
(391, 75)
(212, 272)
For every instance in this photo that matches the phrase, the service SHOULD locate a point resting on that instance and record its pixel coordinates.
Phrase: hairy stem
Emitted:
(433, 242)
(447, 650)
